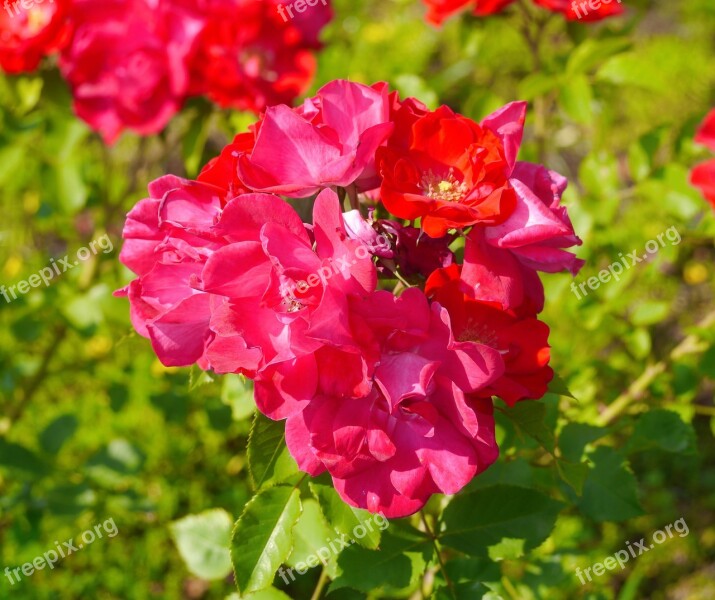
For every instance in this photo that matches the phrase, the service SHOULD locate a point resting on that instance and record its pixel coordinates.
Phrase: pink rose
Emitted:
(168, 240)
(501, 261)
(286, 299)
(395, 423)
(329, 141)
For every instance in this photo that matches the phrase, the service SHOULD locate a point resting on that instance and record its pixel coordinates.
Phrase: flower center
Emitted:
(479, 333)
(37, 19)
(292, 305)
(447, 189)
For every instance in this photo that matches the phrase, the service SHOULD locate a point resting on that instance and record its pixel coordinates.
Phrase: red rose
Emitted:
(449, 171)
(574, 10)
(248, 57)
(518, 335)
(703, 175)
(126, 63)
(27, 35)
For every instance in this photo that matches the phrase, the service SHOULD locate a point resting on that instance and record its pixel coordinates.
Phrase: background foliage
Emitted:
(93, 427)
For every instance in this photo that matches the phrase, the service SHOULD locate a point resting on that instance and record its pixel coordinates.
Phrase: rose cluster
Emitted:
(703, 175)
(131, 64)
(573, 10)
(381, 330)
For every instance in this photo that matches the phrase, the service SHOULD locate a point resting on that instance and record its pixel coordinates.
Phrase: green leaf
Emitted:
(638, 162)
(537, 84)
(558, 386)
(115, 464)
(610, 492)
(577, 99)
(680, 197)
(642, 153)
(344, 518)
(11, 159)
(409, 84)
(599, 175)
(263, 537)
(592, 53)
(84, 311)
(57, 433)
(269, 461)
(204, 542)
(633, 69)
(15, 456)
(638, 342)
(528, 416)
(270, 593)
(194, 140)
(70, 499)
(198, 377)
(237, 392)
(29, 90)
(465, 569)
(402, 559)
(664, 430)
(311, 537)
(461, 591)
(346, 594)
(649, 313)
(507, 549)
(72, 192)
(473, 522)
(574, 474)
(574, 438)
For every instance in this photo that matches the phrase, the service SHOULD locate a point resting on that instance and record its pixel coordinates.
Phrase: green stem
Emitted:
(352, 194)
(438, 552)
(322, 582)
(14, 413)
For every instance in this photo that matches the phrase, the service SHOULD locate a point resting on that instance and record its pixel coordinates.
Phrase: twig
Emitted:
(636, 390)
(15, 412)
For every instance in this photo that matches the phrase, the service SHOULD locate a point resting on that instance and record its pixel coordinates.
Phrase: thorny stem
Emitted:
(689, 345)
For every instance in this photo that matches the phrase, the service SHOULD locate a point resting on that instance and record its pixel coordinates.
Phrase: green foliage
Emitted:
(504, 512)
(203, 541)
(268, 459)
(399, 563)
(93, 427)
(344, 518)
(263, 537)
